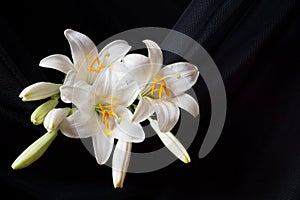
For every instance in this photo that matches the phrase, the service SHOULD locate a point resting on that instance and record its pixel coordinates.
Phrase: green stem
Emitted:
(55, 96)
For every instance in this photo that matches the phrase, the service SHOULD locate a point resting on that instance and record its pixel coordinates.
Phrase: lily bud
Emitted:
(171, 142)
(120, 162)
(55, 117)
(34, 151)
(40, 90)
(39, 114)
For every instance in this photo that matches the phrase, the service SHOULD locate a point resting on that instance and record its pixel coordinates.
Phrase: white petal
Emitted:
(127, 130)
(140, 69)
(69, 81)
(103, 146)
(167, 115)
(133, 61)
(83, 48)
(80, 125)
(171, 142)
(188, 103)
(187, 76)
(144, 109)
(40, 90)
(125, 92)
(59, 62)
(66, 93)
(120, 163)
(70, 78)
(55, 117)
(113, 52)
(155, 55)
(81, 97)
(103, 86)
(119, 69)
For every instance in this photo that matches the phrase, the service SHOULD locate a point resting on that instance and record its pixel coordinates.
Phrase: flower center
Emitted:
(107, 112)
(159, 80)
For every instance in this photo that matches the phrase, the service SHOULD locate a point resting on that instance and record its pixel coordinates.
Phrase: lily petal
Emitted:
(143, 110)
(69, 81)
(79, 125)
(59, 62)
(134, 60)
(103, 146)
(70, 78)
(103, 86)
(120, 163)
(120, 69)
(80, 96)
(185, 76)
(126, 92)
(83, 48)
(155, 56)
(140, 69)
(113, 51)
(171, 142)
(188, 103)
(127, 130)
(167, 115)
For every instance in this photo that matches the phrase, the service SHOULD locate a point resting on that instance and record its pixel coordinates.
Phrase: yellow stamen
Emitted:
(99, 65)
(165, 88)
(107, 120)
(160, 91)
(107, 111)
(103, 115)
(162, 87)
(153, 86)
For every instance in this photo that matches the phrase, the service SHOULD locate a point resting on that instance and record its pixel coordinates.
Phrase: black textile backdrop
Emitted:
(255, 45)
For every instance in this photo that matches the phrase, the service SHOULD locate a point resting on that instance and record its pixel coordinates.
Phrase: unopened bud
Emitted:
(40, 90)
(55, 117)
(39, 114)
(34, 151)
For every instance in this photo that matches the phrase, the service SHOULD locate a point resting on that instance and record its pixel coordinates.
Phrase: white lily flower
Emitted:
(88, 62)
(162, 88)
(55, 117)
(34, 151)
(40, 90)
(120, 163)
(102, 113)
(39, 114)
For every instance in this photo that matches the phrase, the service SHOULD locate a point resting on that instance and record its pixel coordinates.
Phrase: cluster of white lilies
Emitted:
(109, 93)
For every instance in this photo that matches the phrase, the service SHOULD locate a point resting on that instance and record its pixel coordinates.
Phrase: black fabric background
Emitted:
(255, 45)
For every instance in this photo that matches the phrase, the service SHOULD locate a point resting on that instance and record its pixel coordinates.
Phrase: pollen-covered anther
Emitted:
(159, 80)
(107, 111)
(91, 67)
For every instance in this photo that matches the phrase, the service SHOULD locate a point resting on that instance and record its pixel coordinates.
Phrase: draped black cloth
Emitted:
(255, 45)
